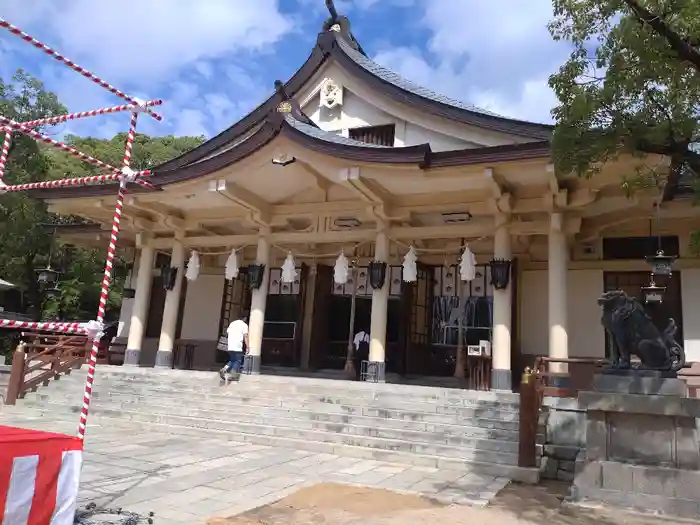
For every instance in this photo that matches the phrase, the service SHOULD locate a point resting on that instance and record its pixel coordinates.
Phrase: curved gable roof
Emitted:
(261, 125)
(295, 127)
(338, 42)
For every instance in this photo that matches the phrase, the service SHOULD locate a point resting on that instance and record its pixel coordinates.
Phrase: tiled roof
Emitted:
(315, 132)
(400, 82)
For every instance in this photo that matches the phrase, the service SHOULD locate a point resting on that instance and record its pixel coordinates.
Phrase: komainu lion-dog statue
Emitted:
(632, 332)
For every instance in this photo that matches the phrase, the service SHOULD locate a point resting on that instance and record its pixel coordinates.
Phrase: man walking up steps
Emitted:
(237, 336)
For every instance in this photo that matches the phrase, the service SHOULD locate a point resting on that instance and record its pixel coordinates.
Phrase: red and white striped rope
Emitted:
(83, 114)
(87, 74)
(106, 281)
(72, 328)
(5, 151)
(60, 145)
(76, 181)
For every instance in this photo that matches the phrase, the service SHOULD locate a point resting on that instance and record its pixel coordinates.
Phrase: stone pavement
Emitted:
(186, 479)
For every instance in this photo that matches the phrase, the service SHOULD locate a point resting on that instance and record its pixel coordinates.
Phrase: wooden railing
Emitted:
(534, 386)
(42, 357)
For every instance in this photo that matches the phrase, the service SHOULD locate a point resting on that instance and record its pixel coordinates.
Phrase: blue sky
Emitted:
(212, 61)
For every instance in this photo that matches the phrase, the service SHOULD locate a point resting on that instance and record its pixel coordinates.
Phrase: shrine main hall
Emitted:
(346, 159)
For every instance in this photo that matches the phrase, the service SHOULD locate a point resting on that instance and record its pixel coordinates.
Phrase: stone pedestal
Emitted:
(642, 449)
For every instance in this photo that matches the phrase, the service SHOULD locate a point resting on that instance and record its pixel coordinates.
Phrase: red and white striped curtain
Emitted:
(39, 477)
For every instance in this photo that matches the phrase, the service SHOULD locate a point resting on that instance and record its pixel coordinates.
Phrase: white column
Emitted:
(380, 303)
(171, 310)
(502, 314)
(558, 266)
(258, 301)
(142, 299)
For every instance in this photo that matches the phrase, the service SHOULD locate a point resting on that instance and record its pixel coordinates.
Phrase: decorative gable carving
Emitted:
(331, 94)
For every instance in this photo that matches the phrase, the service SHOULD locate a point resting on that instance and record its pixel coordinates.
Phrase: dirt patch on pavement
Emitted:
(336, 504)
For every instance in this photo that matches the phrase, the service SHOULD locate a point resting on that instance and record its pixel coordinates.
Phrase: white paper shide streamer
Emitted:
(232, 268)
(410, 271)
(467, 265)
(289, 269)
(193, 266)
(341, 271)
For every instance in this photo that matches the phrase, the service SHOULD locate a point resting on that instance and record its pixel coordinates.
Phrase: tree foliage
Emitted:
(630, 85)
(26, 226)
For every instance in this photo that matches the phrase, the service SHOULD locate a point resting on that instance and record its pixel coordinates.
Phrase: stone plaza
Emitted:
(187, 479)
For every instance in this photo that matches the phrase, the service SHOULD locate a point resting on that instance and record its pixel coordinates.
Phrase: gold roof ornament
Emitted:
(284, 107)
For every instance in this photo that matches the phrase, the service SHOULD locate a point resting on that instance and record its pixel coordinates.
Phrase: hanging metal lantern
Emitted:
(653, 293)
(500, 273)
(377, 274)
(661, 264)
(47, 275)
(53, 291)
(255, 275)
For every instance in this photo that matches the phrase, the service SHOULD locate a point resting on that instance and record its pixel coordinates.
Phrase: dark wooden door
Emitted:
(321, 311)
(301, 298)
(419, 315)
(154, 319)
(671, 307)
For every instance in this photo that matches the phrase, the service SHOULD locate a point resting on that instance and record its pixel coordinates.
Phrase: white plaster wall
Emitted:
(202, 309)
(690, 295)
(586, 336)
(125, 317)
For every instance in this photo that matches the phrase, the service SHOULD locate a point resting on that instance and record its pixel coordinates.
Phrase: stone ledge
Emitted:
(639, 385)
(680, 507)
(636, 482)
(640, 404)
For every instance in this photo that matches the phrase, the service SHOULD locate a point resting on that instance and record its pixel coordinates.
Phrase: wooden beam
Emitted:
(456, 231)
(494, 183)
(552, 179)
(370, 191)
(593, 226)
(258, 208)
(321, 182)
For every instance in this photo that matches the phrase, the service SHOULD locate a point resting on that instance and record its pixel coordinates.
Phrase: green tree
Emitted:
(26, 225)
(83, 269)
(631, 85)
(23, 240)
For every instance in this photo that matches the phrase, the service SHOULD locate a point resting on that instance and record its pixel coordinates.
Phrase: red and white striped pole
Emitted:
(107, 279)
(64, 147)
(84, 114)
(5, 151)
(75, 67)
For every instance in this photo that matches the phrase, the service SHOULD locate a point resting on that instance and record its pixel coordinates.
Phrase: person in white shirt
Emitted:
(237, 335)
(361, 344)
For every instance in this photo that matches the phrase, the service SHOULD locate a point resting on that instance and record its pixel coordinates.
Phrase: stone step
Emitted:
(492, 419)
(326, 396)
(501, 453)
(299, 384)
(470, 434)
(523, 475)
(231, 393)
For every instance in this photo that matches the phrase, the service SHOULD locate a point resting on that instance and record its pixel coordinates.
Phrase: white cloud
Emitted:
(479, 54)
(163, 49)
(206, 59)
(154, 37)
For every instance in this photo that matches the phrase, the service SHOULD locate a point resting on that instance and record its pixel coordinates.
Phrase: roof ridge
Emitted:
(402, 82)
